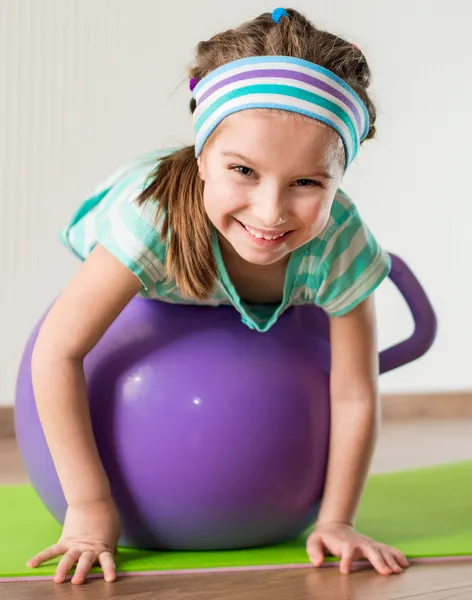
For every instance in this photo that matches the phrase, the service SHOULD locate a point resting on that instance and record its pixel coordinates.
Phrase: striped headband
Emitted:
(282, 82)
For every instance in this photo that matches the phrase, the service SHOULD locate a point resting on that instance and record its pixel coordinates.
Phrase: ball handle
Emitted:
(423, 315)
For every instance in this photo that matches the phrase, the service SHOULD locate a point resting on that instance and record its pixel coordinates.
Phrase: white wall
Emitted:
(88, 84)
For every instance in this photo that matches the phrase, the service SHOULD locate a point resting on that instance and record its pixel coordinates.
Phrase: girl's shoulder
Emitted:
(112, 217)
(345, 262)
(135, 169)
(342, 210)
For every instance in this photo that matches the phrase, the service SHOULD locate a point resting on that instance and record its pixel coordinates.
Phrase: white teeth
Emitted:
(260, 236)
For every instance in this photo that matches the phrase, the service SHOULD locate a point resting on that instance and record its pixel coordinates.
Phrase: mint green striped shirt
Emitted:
(336, 270)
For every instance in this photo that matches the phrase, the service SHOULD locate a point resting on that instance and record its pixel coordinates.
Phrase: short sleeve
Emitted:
(351, 267)
(111, 217)
(130, 232)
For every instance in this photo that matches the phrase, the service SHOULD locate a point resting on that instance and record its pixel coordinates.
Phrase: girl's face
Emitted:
(270, 180)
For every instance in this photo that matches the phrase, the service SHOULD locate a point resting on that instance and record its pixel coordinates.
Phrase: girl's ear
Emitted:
(201, 171)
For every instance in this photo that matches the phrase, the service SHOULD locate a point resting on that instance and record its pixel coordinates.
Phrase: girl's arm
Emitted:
(354, 411)
(354, 424)
(83, 312)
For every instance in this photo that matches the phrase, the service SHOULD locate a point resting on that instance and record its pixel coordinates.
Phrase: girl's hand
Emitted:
(90, 534)
(342, 541)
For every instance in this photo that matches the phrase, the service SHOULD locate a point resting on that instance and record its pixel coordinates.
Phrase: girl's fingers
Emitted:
(107, 562)
(346, 559)
(65, 565)
(400, 558)
(315, 550)
(376, 559)
(391, 561)
(45, 555)
(86, 562)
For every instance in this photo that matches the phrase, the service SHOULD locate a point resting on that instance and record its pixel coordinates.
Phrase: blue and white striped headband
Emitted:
(281, 82)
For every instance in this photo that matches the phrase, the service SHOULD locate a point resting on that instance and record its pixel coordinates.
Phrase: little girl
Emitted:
(251, 216)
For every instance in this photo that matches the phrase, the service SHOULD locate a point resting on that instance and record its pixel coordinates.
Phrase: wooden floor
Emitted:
(401, 445)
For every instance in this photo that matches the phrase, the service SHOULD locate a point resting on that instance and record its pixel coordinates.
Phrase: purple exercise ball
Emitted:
(213, 436)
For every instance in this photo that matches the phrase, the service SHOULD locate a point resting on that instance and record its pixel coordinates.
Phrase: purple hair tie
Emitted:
(192, 83)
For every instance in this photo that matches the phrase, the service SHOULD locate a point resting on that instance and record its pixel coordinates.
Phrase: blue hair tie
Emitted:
(278, 13)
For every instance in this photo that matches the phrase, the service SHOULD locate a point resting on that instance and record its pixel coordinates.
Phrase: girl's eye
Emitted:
(241, 167)
(246, 171)
(309, 183)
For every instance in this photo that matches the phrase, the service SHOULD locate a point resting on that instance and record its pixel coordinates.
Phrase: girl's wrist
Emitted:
(92, 503)
(324, 522)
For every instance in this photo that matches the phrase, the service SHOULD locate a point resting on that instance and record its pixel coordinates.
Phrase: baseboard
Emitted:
(7, 428)
(395, 407)
(440, 405)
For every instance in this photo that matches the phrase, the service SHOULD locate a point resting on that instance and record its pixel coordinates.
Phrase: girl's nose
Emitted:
(268, 210)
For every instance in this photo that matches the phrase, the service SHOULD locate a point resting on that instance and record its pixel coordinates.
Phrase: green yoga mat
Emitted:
(426, 513)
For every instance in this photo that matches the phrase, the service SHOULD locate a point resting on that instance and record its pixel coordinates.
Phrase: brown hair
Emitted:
(175, 185)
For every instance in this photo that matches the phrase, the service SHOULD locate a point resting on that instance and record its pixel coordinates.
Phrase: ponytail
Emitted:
(177, 190)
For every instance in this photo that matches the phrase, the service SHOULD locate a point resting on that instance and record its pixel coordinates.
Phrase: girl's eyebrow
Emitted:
(236, 155)
(316, 173)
